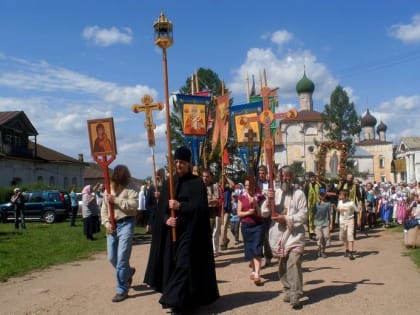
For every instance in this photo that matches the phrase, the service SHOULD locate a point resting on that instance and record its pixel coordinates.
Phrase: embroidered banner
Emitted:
(247, 132)
(221, 123)
(194, 115)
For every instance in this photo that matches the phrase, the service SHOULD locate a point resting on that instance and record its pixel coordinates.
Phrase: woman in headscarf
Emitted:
(90, 213)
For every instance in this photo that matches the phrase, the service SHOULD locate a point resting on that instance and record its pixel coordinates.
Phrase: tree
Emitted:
(340, 118)
(207, 80)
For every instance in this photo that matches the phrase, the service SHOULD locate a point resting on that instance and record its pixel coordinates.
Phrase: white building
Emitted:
(24, 162)
(406, 167)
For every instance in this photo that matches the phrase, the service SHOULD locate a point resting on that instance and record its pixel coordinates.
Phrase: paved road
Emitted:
(382, 280)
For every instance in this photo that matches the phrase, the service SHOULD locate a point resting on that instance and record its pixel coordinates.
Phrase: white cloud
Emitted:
(107, 36)
(44, 77)
(350, 93)
(401, 116)
(281, 37)
(283, 72)
(407, 33)
(58, 102)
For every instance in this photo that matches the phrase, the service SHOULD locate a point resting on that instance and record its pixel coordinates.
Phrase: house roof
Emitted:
(372, 142)
(361, 153)
(305, 116)
(410, 143)
(46, 154)
(17, 120)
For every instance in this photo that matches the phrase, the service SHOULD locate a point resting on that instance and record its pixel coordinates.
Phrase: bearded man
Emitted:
(287, 235)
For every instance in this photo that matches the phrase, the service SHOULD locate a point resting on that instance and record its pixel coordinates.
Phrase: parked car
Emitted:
(48, 205)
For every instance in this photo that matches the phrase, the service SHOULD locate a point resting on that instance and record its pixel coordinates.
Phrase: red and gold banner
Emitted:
(221, 122)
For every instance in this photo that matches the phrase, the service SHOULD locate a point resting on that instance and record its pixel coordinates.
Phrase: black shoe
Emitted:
(351, 257)
(119, 297)
(177, 311)
(130, 280)
(347, 253)
(296, 305)
(223, 247)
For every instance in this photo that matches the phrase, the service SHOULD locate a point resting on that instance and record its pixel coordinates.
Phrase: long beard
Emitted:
(286, 187)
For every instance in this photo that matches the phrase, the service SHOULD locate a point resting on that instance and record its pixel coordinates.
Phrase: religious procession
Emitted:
(229, 183)
(247, 186)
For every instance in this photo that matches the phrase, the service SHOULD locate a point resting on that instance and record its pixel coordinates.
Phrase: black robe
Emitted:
(184, 271)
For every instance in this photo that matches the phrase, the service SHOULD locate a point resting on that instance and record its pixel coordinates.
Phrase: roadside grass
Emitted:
(413, 253)
(42, 245)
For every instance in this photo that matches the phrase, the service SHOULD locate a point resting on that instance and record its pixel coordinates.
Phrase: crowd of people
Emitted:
(272, 222)
(194, 221)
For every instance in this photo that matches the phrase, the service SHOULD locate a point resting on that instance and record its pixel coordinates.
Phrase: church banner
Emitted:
(194, 110)
(221, 122)
(244, 118)
(194, 114)
(247, 132)
(273, 100)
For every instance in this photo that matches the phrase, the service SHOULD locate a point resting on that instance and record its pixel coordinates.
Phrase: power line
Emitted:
(380, 64)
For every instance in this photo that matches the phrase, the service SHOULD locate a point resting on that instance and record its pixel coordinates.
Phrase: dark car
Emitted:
(47, 205)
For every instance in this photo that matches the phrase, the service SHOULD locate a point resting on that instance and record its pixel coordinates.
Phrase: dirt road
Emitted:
(382, 280)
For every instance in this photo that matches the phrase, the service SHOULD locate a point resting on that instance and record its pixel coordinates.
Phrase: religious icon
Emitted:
(244, 124)
(194, 117)
(102, 137)
(333, 164)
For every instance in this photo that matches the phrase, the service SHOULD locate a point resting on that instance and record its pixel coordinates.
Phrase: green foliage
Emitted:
(207, 79)
(340, 118)
(298, 170)
(42, 245)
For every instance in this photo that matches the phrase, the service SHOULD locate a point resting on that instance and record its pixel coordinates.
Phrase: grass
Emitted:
(42, 245)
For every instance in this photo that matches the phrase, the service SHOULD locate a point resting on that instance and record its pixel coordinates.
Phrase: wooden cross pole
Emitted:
(265, 118)
(148, 106)
(251, 135)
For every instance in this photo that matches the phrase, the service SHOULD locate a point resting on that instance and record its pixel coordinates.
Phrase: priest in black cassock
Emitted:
(184, 270)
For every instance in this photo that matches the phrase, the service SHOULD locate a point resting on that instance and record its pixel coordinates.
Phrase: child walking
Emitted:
(323, 220)
(347, 208)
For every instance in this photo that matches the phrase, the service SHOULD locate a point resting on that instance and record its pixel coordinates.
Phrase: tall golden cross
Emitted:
(148, 106)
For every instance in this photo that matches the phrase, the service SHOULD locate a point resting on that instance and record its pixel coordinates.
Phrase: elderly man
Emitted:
(287, 235)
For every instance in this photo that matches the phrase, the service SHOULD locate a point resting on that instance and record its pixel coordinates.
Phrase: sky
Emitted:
(66, 62)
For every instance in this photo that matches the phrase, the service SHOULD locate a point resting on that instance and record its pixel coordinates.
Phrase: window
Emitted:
(381, 162)
(40, 179)
(52, 181)
(66, 182)
(36, 197)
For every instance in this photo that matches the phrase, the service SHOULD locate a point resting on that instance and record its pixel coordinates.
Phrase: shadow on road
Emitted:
(325, 292)
(231, 301)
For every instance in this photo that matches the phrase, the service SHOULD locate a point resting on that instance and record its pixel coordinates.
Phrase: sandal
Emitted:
(257, 280)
